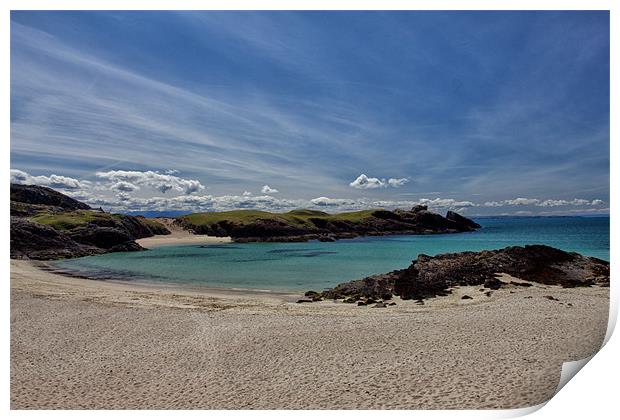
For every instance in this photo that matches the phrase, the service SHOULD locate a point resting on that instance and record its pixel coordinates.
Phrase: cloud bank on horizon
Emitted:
(481, 112)
(94, 193)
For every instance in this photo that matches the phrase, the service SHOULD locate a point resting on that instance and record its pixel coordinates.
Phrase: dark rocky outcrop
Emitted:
(49, 225)
(108, 238)
(434, 276)
(135, 226)
(461, 221)
(31, 240)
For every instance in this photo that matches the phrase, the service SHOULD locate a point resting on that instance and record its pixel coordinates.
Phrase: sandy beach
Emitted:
(179, 236)
(78, 343)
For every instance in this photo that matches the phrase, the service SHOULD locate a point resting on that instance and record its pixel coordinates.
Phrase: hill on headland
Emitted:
(46, 224)
(303, 225)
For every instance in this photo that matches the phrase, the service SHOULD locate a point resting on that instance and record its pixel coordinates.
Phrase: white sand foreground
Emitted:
(79, 343)
(179, 236)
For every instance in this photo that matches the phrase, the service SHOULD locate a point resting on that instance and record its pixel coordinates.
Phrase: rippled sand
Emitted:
(85, 344)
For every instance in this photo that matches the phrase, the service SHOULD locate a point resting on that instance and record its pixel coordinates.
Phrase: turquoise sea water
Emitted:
(318, 265)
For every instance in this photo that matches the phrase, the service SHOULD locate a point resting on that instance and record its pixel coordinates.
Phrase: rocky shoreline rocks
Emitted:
(429, 277)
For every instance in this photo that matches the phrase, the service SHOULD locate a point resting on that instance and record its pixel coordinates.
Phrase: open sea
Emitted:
(319, 265)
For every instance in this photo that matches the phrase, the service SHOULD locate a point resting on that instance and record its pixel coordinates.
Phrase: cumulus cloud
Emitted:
(124, 186)
(52, 181)
(268, 190)
(246, 194)
(123, 197)
(151, 179)
(364, 182)
(397, 182)
(597, 202)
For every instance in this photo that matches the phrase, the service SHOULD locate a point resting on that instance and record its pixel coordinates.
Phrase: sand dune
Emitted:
(85, 344)
(179, 236)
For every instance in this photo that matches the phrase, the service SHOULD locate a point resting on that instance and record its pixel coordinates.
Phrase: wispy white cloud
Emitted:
(446, 202)
(521, 202)
(332, 202)
(543, 203)
(67, 97)
(296, 113)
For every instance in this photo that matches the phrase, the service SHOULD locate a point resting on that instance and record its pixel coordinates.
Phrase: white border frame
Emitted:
(591, 394)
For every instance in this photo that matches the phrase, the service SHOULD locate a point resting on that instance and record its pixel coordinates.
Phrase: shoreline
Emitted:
(48, 280)
(78, 343)
(190, 239)
(49, 267)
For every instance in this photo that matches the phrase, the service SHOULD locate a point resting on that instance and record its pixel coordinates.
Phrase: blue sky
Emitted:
(483, 112)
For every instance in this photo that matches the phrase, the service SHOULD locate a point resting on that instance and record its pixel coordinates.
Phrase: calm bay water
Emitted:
(318, 265)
